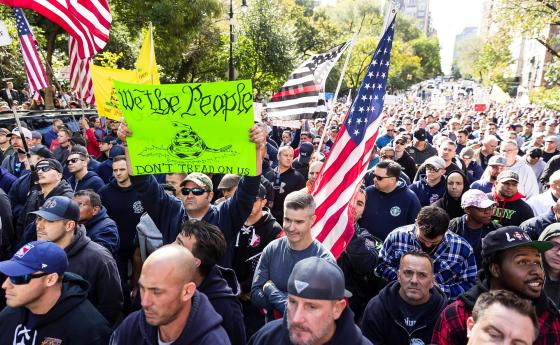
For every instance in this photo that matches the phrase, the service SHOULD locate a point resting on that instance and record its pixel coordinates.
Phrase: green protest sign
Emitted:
(183, 128)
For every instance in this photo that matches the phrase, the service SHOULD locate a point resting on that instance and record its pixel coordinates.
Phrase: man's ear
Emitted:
(470, 325)
(338, 308)
(494, 270)
(96, 210)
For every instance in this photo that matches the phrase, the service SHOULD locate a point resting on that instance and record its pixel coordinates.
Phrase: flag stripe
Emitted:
(296, 91)
(80, 76)
(346, 164)
(87, 21)
(34, 68)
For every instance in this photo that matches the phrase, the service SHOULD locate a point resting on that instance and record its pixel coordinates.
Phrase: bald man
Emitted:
(172, 310)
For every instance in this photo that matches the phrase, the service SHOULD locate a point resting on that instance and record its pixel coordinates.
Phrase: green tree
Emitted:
(494, 60)
(428, 50)
(467, 52)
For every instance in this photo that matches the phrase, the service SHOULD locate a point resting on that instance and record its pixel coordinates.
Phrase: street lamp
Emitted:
(244, 8)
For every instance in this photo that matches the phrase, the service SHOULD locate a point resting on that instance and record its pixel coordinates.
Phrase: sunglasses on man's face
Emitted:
(44, 168)
(73, 160)
(26, 278)
(195, 191)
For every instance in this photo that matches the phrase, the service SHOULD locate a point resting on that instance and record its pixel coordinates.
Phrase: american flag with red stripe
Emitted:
(33, 66)
(80, 77)
(299, 96)
(88, 21)
(346, 164)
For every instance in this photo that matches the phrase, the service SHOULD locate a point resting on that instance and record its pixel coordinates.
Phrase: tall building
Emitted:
(466, 34)
(420, 11)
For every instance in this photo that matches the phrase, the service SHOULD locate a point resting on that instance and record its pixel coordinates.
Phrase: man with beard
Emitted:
(511, 209)
(496, 165)
(316, 311)
(477, 221)
(14, 162)
(454, 260)
(173, 312)
(512, 262)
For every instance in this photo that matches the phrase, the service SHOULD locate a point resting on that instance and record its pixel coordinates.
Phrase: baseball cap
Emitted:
(535, 152)
(510, 237)
(552, 138)
(36, 256)
(26, 133)
(476, 198)
(41, 151)
(551, 122)
(553, 230)
(108, 140)
(317, 278)
(467, 153)
(420, 134)
(5, 131)
(497, 160)
(436, 162)
(305, 151)
(229, 181)
(36, 135)
(59, 208)
(199, 179)
(508, 175)
(50, 162)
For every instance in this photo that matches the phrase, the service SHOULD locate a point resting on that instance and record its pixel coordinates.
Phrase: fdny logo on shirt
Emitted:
(434, 198)
(137, 207)
(49, 204)
(395, 211)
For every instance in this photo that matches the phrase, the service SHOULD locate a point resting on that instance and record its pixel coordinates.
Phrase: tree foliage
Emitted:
(494, 60)
(467, 52)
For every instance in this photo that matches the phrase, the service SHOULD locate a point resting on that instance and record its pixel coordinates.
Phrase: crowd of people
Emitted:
(456, 241)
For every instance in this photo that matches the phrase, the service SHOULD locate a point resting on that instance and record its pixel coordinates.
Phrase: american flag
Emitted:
(80, 78)
(346, 164)
(33, 66)
(299, 96)
(88, 21)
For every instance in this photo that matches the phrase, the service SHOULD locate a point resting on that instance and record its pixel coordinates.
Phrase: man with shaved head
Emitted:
(173, 312)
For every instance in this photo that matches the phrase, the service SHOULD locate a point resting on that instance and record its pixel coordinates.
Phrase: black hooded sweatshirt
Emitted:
(222, 289)
(203, 327)
(384, 322)
(73, 320)
(448, 203)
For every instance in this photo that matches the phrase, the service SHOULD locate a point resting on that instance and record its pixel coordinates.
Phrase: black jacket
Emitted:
(103, 230)
(276, 332)
(407, 163)
(222, 289)
(72, 320)
(383, 322)
(7, 234)
(203, 327)
(36, 200)
(536, 225)
(249, 242)
(96, 265)
(90, 181)
(358, 262)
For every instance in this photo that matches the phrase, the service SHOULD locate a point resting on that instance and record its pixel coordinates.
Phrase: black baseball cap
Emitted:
(420, 134)
(317, 278)
(510, 237)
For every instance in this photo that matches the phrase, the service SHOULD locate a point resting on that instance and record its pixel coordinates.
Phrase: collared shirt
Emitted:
(454, 260)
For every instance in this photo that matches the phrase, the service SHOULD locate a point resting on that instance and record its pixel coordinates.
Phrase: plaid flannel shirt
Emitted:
(451, 327)
(454, 260)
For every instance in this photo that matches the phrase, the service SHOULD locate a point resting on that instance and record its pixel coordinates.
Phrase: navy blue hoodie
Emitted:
(103, 230)
(426, 194)
(385, 212)
(222, 289)
(6, 180)
(276, 332)
(90, 181)
(203, 327)
(72, 320)
(125, 208)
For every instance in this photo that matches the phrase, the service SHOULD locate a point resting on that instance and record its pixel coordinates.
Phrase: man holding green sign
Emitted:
(168, 214)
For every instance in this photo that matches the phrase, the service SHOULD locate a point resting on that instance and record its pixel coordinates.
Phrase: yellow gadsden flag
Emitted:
(146, 63)
(104, 89)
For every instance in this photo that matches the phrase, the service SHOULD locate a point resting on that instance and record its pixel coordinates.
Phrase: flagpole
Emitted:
(151, 47)
(24, 140)
(335, 97)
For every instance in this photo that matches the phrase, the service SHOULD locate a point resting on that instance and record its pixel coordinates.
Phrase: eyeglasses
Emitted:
(487, 209)
(316, 143)
(387, 157)
(390, 130)
(73, 161)
(399, 142)
(380, 178)
(431, 168)
(195, 191)
(26, 278)
(44, 168)
(556, 247)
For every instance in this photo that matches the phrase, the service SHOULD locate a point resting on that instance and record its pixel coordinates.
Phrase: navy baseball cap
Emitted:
(59, 208)
(36, 256)
(317, 278)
